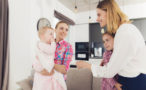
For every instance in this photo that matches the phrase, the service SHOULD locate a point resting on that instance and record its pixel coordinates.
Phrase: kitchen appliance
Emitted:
(82, 51)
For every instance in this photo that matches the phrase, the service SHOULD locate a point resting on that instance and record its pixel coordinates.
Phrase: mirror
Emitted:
(43, 22)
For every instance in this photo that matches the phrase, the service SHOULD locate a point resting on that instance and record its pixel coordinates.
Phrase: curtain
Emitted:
(4, 45)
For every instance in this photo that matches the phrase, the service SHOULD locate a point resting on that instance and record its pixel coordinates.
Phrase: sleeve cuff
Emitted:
(53, 43)
(94, 71)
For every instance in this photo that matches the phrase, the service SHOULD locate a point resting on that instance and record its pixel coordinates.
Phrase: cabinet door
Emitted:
(141, 25)
(95, 41)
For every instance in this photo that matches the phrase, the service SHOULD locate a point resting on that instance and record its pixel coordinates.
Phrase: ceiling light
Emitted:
(76, 8)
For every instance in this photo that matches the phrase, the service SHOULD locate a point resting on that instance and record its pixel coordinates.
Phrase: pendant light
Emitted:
(76, 8)
(89, 11)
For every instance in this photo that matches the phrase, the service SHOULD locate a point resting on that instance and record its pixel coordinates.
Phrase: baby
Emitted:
(45, 53)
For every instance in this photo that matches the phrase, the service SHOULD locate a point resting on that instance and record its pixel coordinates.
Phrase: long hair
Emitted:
(115, 17)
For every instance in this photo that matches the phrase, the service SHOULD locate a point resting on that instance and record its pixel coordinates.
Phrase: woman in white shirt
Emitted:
(129, 55)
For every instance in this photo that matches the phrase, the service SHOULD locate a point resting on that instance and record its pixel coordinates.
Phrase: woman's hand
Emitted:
(46, 73)
(60, 68)
(118, 86)
(82, 64)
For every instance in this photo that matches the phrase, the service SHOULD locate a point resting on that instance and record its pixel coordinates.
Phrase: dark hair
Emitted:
(60, 23)
(107, 33)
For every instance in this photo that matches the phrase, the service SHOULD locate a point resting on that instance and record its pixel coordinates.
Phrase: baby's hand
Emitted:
(46, 73)
(52, 40)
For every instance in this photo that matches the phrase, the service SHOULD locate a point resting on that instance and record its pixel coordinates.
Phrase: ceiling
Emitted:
(85, 5)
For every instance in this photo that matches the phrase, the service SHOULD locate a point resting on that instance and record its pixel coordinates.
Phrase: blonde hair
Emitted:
(43, 30)
(115, 17)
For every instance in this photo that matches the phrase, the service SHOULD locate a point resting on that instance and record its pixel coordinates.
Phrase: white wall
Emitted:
(82, 19)
(20, 34)
(135, 11)
(24, 15)
(65, 11)
(80, 33)
(132, 11)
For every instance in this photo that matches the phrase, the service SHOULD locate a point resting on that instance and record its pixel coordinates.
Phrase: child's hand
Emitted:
(118, 86)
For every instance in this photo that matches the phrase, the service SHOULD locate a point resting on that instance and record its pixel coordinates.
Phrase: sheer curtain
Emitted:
(4, 45)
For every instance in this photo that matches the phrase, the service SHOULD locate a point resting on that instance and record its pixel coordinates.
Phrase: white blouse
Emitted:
(129, 55)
